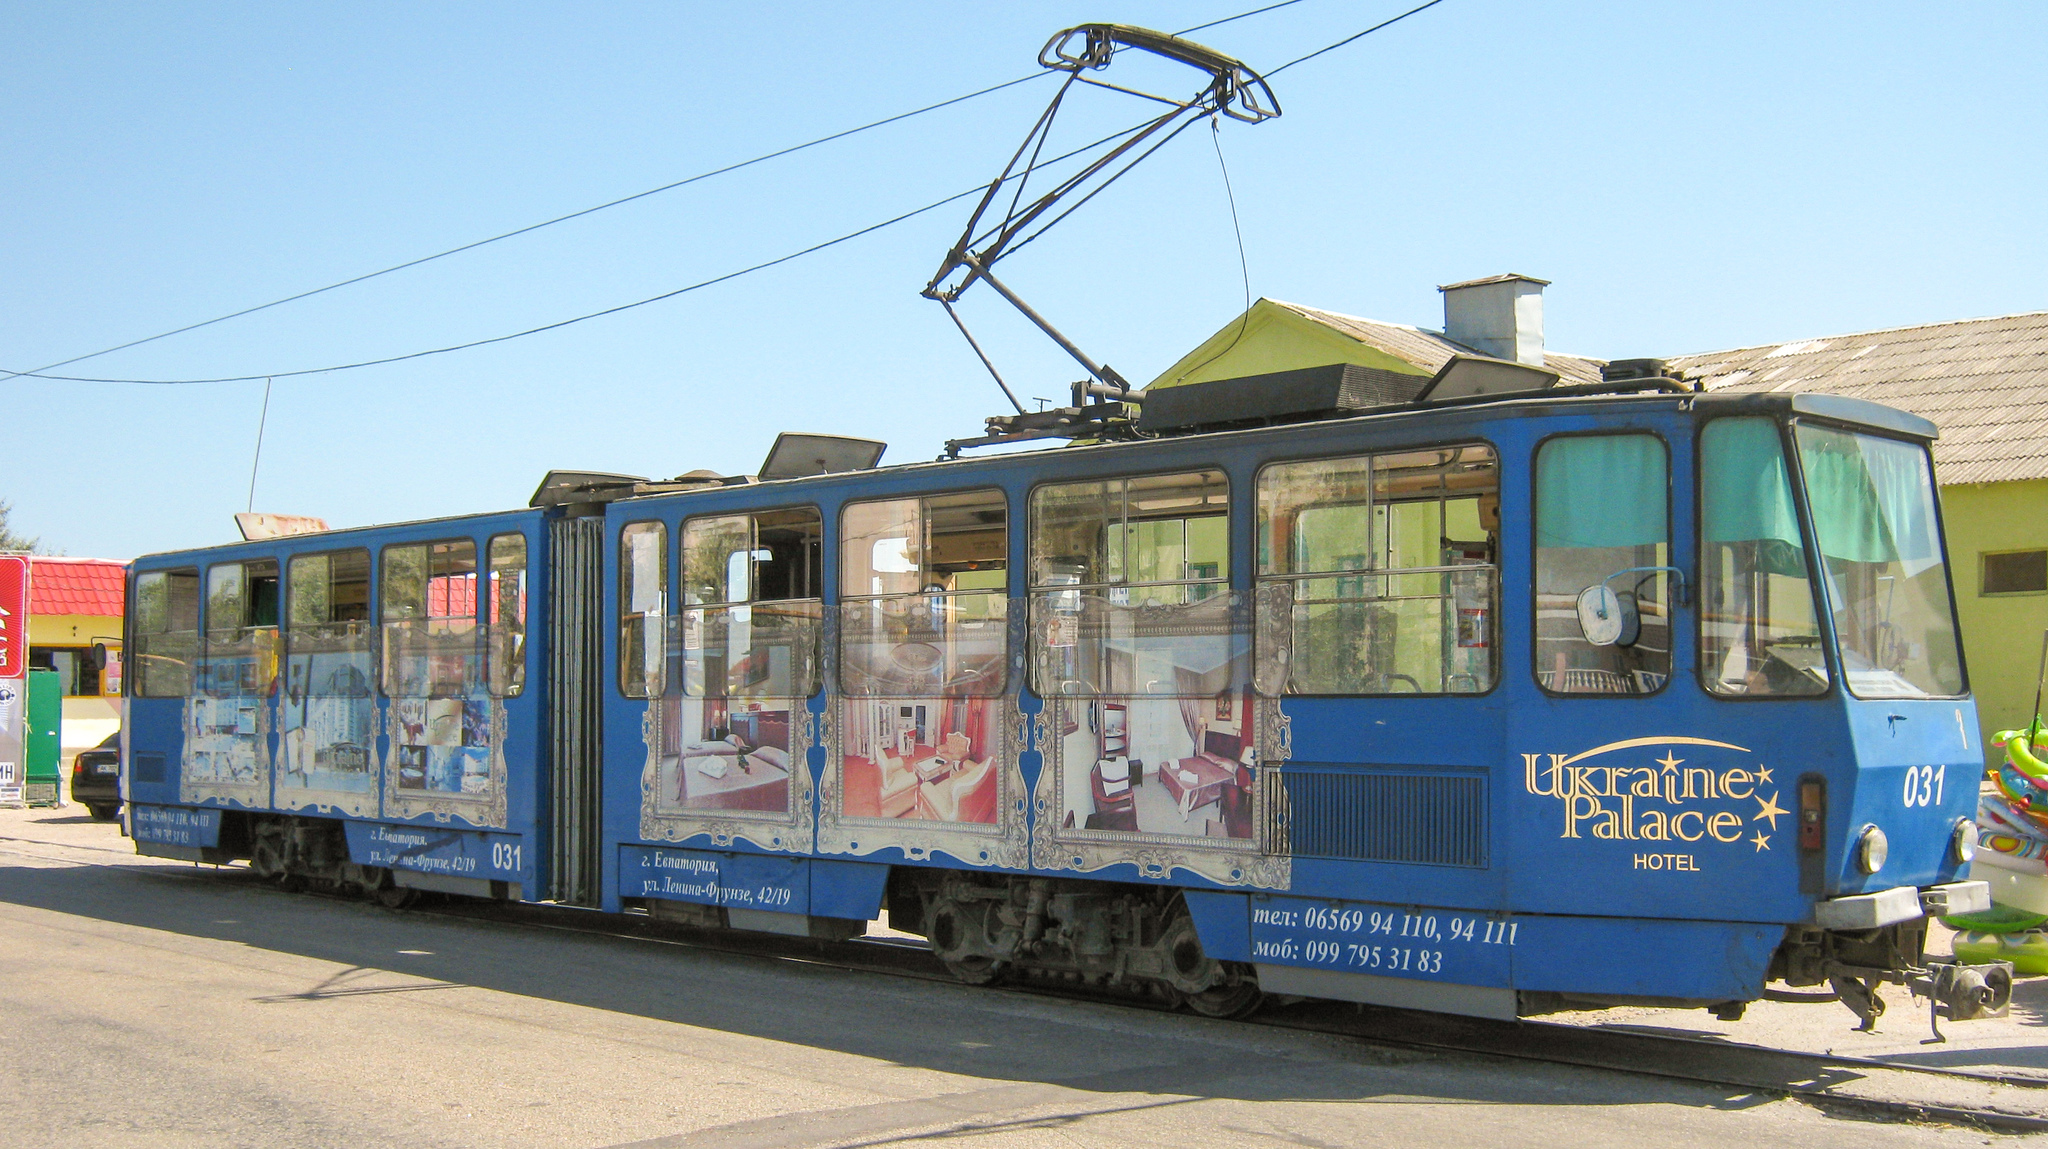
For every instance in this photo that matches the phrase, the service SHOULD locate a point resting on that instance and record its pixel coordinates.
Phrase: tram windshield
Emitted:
(1759, 630)
(1872, 501)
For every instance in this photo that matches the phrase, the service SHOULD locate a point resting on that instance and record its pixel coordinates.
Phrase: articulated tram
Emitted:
(1498, 707)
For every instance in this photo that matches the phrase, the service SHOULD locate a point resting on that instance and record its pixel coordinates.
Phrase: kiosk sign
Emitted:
(13, 677)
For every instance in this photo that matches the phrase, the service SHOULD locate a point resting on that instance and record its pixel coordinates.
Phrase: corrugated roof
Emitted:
(76, 586)
(1982, 381)
(1429, 349)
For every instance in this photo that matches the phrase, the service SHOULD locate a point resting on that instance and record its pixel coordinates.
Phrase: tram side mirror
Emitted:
(1607, 618)
(98, 658)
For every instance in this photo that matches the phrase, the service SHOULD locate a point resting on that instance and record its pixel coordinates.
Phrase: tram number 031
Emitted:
(1393, 959)
(505, 856)
(1924, 785)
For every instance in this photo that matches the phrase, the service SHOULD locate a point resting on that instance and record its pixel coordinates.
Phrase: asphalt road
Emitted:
(158, 1004)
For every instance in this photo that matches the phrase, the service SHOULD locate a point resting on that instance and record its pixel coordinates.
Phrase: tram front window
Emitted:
(1603, 519)
(1759, 631)
(1873, 509)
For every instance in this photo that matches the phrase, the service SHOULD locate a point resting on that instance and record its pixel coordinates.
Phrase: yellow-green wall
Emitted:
(2001, 633)
(1270, 338)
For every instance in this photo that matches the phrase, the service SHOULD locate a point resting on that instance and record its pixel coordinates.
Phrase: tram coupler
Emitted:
(1967, 992)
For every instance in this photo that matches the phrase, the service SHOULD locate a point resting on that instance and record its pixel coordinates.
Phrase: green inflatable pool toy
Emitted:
(1996, 920)
(2027, 950)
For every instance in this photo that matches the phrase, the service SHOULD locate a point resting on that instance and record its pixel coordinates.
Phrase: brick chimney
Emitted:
(1500, 316)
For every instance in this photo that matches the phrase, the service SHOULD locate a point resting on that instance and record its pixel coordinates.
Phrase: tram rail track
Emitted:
(1844, 1085)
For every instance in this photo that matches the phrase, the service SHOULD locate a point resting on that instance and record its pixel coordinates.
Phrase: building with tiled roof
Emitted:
(91, 587)
(75, 604)
(1980, 381)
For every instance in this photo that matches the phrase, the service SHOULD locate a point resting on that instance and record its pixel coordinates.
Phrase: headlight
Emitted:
(1964, 844)
(1872, 849)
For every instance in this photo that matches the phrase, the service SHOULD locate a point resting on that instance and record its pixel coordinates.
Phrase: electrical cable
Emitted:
(1239, 16)
(38, 373)
(4, 374)
(978, 189)
(1244, 266)
(1349, 39)
(792, 149)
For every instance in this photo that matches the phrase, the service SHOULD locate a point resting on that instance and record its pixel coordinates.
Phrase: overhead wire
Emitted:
(731, 275)
(1349, 39)
(699, 177)
(40, 373)
(671, 186)
(1239, 16)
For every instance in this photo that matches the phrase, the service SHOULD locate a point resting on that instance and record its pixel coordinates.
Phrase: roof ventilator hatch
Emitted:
(1232, 90)
(799, 456)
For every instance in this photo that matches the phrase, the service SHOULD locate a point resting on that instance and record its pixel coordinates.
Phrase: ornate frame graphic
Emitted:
(485, 810)
(1155, 855)
(1004, 842)
(788, 832)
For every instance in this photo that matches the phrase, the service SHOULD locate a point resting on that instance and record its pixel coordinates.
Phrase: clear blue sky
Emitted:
(1691, 177)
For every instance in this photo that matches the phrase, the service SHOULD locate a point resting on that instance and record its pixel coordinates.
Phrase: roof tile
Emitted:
(1980, 380)
(76, 586)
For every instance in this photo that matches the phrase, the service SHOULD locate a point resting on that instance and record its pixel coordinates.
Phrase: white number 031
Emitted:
(1923, 785)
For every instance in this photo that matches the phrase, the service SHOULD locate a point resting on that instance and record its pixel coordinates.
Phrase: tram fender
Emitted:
(1718, 961)
(847, 889)
(1223, 922)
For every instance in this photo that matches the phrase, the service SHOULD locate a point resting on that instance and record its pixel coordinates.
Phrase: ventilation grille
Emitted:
(1430, 819)
(147, 768)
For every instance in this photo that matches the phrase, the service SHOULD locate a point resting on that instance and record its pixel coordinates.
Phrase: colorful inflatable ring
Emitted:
(2027, 950)
(2023, 795)
(2019, 747)
(1996, 920)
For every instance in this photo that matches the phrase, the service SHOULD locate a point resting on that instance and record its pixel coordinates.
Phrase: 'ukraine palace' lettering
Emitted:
(1664, 799)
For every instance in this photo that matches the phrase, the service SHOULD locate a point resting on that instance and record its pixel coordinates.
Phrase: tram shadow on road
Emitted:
(795, 994)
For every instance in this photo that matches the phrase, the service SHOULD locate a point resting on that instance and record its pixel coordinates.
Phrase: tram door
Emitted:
(1377, 627)
(575, 606)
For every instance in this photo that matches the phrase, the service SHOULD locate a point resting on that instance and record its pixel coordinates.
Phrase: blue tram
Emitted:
(1496, 707)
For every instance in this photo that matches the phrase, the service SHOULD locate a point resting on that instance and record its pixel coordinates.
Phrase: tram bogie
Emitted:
(1495, 708)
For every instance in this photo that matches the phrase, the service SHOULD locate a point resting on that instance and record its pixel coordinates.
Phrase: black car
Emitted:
(96, 779)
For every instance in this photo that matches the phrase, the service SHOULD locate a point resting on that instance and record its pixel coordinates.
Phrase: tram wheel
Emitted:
(1227, 1001)
(266, 858)
(977, 970)
(395, 897)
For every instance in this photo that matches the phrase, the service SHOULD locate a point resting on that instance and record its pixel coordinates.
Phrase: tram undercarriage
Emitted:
(1125, 939)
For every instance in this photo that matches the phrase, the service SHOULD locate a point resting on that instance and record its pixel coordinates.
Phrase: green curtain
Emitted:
(1601, 491)
(1746, 494)
(1872, 499)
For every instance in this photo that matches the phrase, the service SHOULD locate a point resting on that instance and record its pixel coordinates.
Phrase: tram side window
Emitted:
(327, 625)
(241, 629)
(1377, 574)
(753, 604)
(1759, 631)
(643, 609)
(429, 616)
(1129, 587)
(505, 618)
(924, 596)
(1603, 518)
(166, 632)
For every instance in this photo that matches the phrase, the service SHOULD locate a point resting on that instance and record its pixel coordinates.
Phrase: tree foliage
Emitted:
(10, 541)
